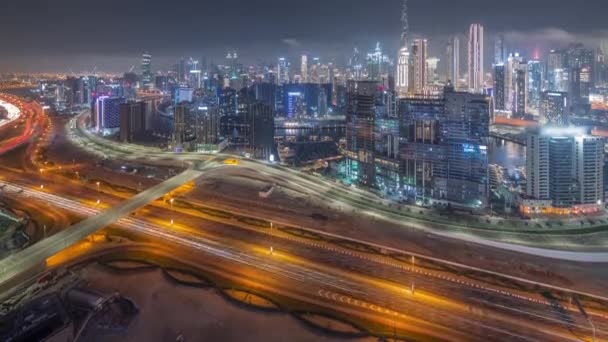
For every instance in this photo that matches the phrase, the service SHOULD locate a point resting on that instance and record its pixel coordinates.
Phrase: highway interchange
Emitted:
(443, 304)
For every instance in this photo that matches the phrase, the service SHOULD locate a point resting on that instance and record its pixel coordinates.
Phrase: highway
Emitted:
(13, 113)
(318, 272)
(337, 195)
(33, 256)
(349, 280)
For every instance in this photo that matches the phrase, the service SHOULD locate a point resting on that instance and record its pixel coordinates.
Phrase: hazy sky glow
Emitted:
(43, 35)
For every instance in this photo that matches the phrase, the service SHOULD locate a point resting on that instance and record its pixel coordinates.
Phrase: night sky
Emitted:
(62, 35)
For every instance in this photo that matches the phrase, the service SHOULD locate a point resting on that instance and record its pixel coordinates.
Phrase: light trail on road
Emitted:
(296, 272)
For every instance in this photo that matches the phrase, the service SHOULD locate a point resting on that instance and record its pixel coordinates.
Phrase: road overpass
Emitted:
(35, 255)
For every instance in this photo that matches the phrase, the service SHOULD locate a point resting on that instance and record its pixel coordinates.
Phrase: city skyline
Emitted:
(116, 47)
(270, 170)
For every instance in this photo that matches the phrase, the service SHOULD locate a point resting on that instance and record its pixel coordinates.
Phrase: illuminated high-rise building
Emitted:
(520, 93)
(361, 113)
(444, 148)
(403, 58)
(146, 70)
(555, 69)
(107, 114)
(432, 63)
(452, 61)
(356, 65)
(500, 54)
(417, 74)
(132, 120)
(579, 64)
(304, 69)
(283, 71)
(535, 84)
(554, 109)
(564, 166)
(513, 63)
(499, 86)
(374, 64)
(475, 60)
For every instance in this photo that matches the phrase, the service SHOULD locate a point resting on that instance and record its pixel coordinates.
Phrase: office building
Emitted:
(579, 63)
(520, 92)
(555, 109)
(183, 126)
(475, 61)
(432, 64)
(132, 121)
(557, 75)
(183, 94)
(452, 62)
(107, 114)
(403, 67)
(499, 95)
(207, 129)
(374, 64)
(514, 63)
(565, 172)
(403, 57)
(146, 71)
(283, 71)
(228, 101)
(500, 51)
(360, 131)
(535, 83)
(444, 145)
(418, 73)
(304, 69)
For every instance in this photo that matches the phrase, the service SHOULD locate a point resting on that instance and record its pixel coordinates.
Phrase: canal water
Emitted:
(507, 154)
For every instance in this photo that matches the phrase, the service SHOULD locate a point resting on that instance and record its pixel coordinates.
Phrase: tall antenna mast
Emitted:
(405, 25)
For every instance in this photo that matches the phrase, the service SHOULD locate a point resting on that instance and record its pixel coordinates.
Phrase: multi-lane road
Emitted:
(32, 256)
(413, 298)
(348, 281)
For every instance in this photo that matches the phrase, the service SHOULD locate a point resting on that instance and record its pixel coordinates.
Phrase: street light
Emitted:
(271, 247)
(171, 202)
(98, 183)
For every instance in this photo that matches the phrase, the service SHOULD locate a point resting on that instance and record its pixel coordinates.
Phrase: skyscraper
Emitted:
(183, 125)
(565, 166)
(513, 63)
(444, 148)
(499, 87)
(356, 65)
(304, 69)
(360, 130)
(207, 127)
(432, 64)
(417, 74)
(283, 71)
(554, 108)
(107, 114)
(403, 58)
(555, 69)
(132, 120)
(374, 64)
(146, 70)
(500, 54)
(452, 61)
(580, 63)
(535, 84)
(520, 102)
(475, 61)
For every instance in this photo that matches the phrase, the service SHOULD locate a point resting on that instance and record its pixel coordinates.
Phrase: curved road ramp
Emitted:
(15, 268)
